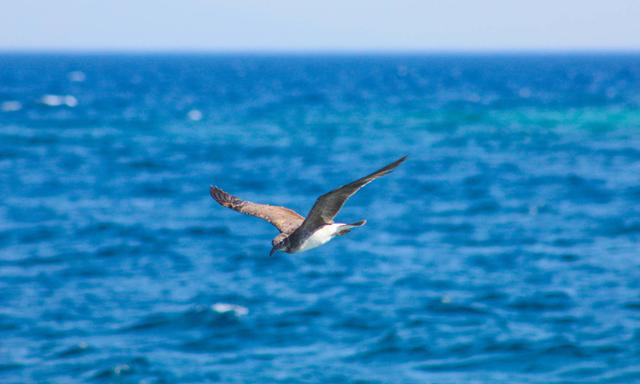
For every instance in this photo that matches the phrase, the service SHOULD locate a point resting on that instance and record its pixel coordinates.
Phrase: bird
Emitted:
(298, 233)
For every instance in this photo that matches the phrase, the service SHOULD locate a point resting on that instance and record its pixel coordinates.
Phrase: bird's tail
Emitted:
(347, 227)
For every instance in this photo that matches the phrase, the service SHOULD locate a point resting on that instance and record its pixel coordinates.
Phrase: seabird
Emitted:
(297, 233)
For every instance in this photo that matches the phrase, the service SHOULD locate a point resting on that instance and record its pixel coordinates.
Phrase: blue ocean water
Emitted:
(505, 250)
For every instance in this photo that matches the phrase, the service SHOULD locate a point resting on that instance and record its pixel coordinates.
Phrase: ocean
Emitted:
(505, 250)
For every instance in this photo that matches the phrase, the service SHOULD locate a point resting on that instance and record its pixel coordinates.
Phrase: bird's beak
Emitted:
(273, 250)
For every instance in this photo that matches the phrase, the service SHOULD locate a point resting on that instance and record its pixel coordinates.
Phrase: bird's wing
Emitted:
(285, 219)
(328, 205)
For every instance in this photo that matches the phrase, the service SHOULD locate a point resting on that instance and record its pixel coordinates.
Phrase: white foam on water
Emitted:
(237, 310)
(70, 101)
(58, 100)
(121, 368)
(194, 115)
(77, 76)
(52, 100)
(11, 106)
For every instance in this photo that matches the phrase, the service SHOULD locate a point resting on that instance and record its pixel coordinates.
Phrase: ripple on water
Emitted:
(73, 351)
(219, 316)
(503, 251)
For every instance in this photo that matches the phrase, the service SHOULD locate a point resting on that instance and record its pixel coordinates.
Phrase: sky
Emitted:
(327, 25)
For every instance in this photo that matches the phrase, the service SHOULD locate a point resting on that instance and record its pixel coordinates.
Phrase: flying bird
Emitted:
(297, 233)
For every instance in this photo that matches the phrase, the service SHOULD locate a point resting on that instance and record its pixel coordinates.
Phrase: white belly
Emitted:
(319, 237)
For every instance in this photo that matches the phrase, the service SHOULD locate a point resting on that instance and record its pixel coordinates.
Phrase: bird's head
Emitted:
(279, 243)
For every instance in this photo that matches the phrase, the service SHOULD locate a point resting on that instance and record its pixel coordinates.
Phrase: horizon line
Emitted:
(318, 52)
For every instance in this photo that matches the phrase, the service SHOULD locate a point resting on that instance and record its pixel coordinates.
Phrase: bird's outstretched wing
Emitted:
(328, 205)
(285, 219)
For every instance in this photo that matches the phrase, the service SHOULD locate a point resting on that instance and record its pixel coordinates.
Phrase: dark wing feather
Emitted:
(328, 205)
(285, 219)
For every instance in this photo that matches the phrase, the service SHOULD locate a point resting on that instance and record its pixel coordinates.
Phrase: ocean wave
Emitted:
(504, 250)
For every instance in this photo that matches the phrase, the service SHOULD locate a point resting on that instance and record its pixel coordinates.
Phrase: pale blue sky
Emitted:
(290, 25)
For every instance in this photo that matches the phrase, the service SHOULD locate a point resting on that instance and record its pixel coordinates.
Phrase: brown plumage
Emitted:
(297, 233)
(285, 219)
(328, 205)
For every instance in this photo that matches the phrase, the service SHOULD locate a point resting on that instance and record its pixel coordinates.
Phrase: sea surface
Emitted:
(505, 250)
